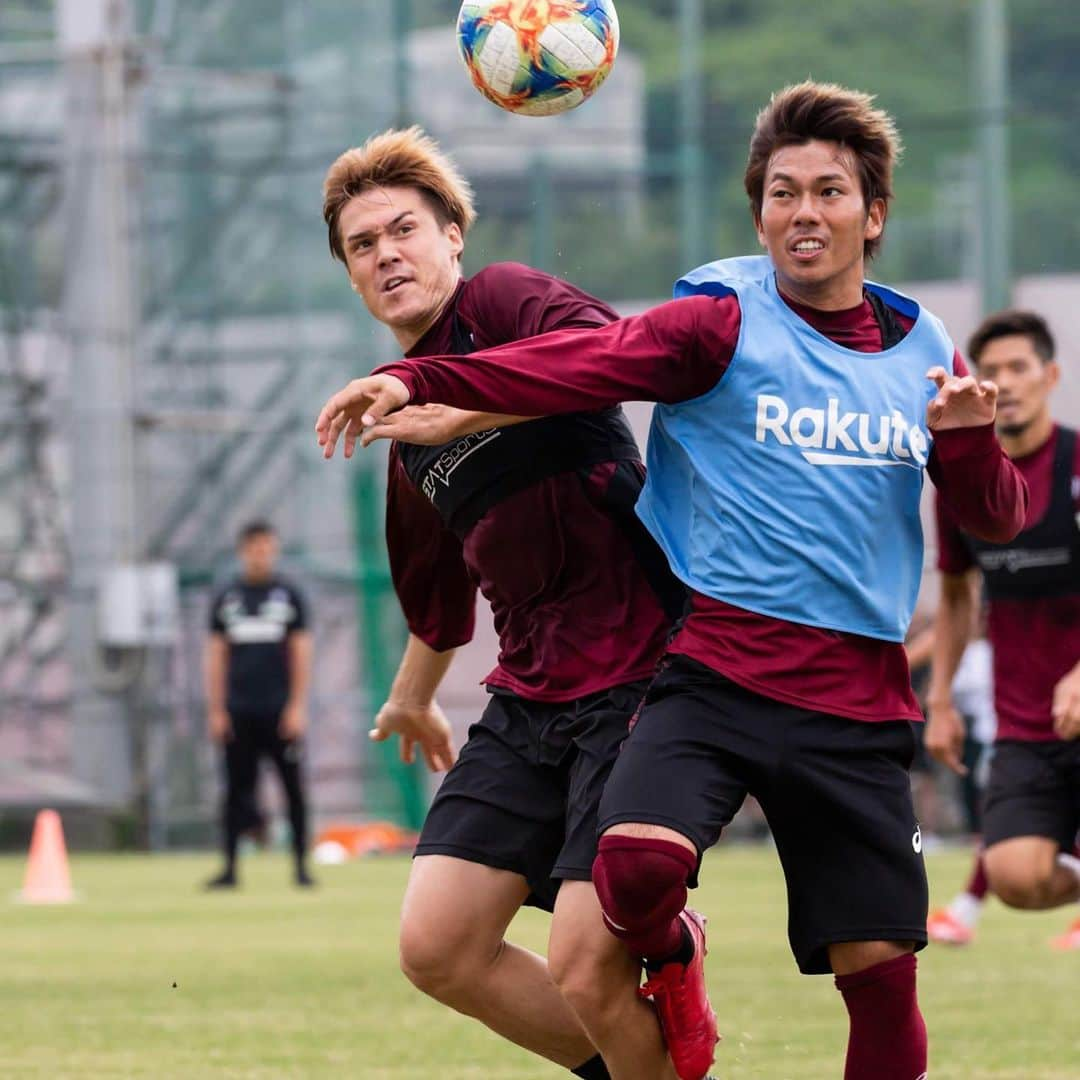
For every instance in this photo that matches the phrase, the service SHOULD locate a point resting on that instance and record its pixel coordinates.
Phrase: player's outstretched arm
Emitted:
(360, 404)
(433, 425)
(675, 352)
(411, 711)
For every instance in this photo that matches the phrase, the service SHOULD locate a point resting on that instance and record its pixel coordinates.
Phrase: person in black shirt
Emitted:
(257, 668)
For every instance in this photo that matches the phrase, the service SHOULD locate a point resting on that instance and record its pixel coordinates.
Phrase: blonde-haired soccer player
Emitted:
(539, 516)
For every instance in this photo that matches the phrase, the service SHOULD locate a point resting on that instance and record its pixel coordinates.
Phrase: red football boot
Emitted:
(682, 1005)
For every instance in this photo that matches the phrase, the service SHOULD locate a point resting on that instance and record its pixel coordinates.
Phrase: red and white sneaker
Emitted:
(1070, 939)
(682, 1005)
(945, 928)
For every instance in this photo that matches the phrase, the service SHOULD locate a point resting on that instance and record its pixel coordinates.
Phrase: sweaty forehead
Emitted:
(813, 158)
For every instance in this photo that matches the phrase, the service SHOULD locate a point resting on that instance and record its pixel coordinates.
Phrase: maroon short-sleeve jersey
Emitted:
(1035, 639)
(574, 607)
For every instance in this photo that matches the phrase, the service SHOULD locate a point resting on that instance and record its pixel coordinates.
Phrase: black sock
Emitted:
(683, 955)
(593, 1069)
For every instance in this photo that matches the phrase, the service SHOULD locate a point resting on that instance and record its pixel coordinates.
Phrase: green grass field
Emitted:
(148, 977)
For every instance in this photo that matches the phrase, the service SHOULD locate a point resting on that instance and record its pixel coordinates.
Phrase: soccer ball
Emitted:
(538, 57)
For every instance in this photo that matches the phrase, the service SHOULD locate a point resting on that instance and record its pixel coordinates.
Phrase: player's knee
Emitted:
(1015, 894)
(429, 960)
(572, 972)
(580, 961)
(641, 882)
(1020, 880)
(1020, 889)
(445, 961)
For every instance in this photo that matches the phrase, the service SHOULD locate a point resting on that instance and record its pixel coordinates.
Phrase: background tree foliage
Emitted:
(915, 55)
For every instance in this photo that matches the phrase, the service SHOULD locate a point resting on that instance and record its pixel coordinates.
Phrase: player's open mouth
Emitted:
(394, 283)
(807, 249)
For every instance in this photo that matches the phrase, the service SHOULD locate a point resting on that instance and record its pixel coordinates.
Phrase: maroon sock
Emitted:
(887, 1040)
(978, 886)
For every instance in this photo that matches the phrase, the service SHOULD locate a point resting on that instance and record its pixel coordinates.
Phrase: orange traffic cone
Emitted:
(47, 878)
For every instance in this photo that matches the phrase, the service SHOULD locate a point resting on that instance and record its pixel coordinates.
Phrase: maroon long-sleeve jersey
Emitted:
(1035, 640)
(679, 351)
(574, 606)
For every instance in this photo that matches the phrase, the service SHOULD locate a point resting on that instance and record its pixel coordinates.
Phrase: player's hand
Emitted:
(420, 425)
(423, 726)
(944, 736)
(960, 402)
(361, 404)
(1066, 706)
(293, 723)
(219, 725)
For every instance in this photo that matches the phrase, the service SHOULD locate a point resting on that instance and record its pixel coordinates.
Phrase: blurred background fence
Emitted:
(170, 319)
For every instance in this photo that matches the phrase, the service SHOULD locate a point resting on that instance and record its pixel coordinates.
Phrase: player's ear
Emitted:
(875, 219)
(1053, 373)
(457, 241)
(758, 229)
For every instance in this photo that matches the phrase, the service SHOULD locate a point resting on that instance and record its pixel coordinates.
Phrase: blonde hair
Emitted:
(398, 158)
(832, 113)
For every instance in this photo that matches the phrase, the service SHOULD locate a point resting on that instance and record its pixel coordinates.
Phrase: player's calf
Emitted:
(599, 978)
(887, 1040)
(590, 969)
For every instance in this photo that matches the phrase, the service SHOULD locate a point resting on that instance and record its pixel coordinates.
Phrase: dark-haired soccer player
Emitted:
(540, 518)
(1032, 586)
(795, 423)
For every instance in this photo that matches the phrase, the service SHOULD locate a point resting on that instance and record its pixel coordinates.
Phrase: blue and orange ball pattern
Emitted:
(538, 57)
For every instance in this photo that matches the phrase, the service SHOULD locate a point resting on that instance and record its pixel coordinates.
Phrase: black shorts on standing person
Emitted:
(256, 674)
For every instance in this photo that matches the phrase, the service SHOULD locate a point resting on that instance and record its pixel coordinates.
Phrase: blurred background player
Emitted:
(972, 692)
(257, 668)
(1032, 588)
(788, 680)
(540, 517)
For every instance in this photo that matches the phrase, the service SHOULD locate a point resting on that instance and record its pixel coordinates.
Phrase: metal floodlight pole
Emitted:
(391, 788)
(101, 317)
(991, 91)
(542, 254)
(402, 68)
(694, 240)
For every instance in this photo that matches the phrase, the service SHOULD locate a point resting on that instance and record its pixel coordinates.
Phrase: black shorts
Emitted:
(524, 794)
(836, 794)
(1034, 791)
